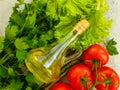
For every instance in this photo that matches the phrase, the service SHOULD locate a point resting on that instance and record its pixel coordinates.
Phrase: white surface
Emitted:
(113, 13)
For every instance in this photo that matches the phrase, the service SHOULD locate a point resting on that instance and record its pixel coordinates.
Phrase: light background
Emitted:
(113, 13)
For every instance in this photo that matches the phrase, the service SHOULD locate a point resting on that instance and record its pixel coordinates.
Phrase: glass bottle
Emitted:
(46, 67)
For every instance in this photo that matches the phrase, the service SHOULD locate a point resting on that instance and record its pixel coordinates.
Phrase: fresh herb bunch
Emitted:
(43, 23)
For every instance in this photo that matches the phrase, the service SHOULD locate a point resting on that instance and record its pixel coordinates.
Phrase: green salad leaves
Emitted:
(44, 23)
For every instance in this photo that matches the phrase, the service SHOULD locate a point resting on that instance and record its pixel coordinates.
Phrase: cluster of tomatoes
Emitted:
(92, 73)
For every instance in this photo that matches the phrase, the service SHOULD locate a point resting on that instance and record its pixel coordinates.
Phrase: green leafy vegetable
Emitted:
(11, 31)
(17, 18)
(14, 85)
(112, 50)
(3, 72)
(44, 23)
(21, 55)
(28, 88)
(20, 44)
(31, 79)
(11, 72)
(1, 43)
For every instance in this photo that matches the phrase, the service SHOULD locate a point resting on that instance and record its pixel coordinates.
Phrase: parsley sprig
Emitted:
(111, 47)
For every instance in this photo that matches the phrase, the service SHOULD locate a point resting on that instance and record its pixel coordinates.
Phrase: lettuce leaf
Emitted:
(69, 12)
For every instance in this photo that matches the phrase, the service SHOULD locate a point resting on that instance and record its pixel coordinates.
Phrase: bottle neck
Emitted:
(60, 48)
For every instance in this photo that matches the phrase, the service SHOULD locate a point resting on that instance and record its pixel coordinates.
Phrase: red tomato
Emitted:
(95, 56)
(80, 77)
(61, 86)
(108, 75)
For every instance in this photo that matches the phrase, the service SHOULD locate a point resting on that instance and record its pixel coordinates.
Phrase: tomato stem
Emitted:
(84, 81)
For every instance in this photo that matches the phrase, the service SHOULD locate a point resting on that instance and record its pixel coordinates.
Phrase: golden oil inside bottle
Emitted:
(38, 69)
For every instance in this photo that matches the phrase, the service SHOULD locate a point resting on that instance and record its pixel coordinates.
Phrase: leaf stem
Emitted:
(5, 58)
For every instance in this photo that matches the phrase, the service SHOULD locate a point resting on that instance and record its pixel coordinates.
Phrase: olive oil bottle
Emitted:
(46, 66)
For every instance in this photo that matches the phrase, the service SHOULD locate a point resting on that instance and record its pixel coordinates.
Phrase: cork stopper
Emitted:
(81, 26)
